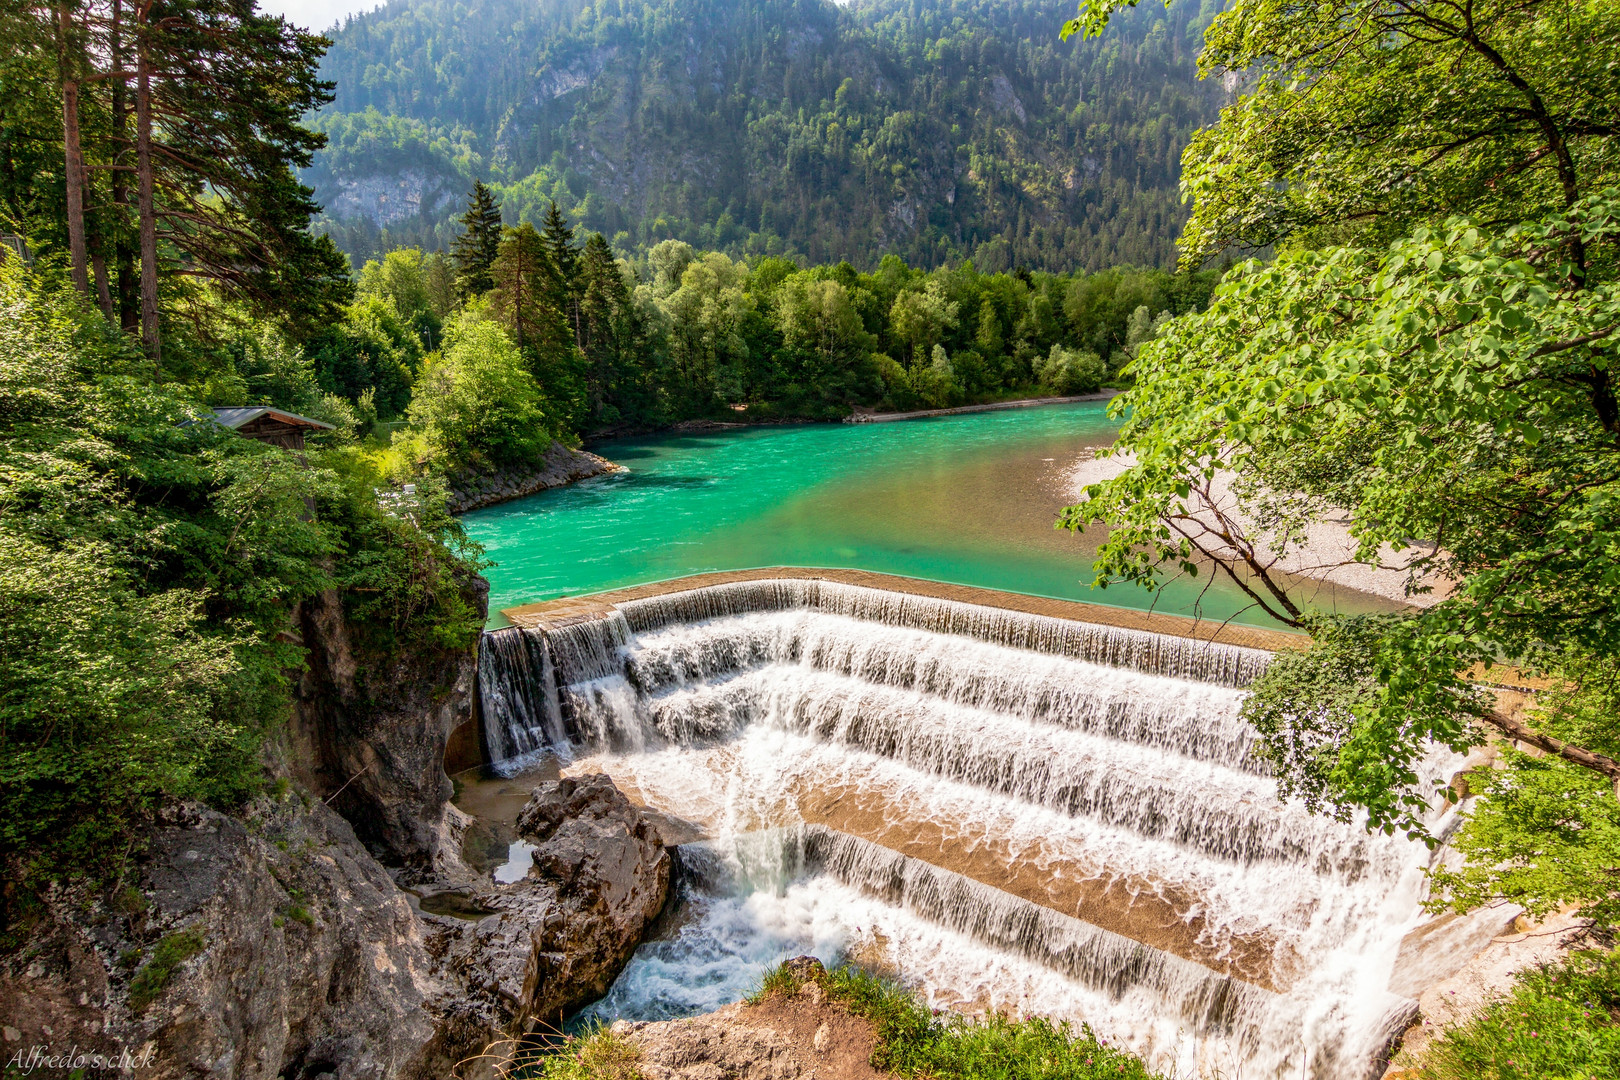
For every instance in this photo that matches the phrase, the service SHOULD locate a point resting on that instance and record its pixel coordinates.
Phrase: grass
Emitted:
(169, 953)
(598, 1054)
(1560, 1022)
(913, 1041)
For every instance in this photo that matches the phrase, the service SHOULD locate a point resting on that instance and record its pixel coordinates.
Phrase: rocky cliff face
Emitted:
(277, 942)
(274, 945)
(368, 732)
(267, 946)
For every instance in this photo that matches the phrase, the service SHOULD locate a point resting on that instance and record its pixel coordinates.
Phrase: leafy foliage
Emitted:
(227, 90)
(477, 405)
(149, 561)
(1447, 382)
(1546, 833)
(1562, 1020)
(1470, 356)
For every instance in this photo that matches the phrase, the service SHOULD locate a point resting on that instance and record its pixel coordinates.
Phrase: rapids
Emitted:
(1006, 811)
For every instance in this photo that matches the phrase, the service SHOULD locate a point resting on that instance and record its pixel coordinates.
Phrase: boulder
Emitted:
(561, 935)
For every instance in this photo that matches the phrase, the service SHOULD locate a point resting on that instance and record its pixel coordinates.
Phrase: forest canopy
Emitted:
(937, 130)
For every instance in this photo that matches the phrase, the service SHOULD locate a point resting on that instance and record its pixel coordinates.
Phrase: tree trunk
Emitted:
(1601, 764)
(148, 213)
(98, 262)
(73, 165)
(129, 318)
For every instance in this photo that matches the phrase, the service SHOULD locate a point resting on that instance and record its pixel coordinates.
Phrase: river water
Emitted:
(967, 499)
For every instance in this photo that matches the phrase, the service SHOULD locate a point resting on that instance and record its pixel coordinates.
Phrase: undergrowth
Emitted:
(1560, 1022)
(913, 1041)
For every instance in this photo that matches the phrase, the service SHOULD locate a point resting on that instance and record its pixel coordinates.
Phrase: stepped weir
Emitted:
(1004, 805)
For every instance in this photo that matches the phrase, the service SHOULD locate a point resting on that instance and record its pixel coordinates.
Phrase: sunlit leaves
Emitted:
(1446, 390)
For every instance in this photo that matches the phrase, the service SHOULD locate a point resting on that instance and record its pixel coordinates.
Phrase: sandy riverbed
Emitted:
(1328, 553)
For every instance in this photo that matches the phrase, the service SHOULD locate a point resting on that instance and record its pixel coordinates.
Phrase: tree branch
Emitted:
(1601, 764)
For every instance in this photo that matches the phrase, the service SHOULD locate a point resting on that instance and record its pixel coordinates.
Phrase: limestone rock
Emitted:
(716, 1046)
(369, 729)
(560, 935)
(301, 958)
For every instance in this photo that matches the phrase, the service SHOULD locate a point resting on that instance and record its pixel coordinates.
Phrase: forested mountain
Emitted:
(933, 129)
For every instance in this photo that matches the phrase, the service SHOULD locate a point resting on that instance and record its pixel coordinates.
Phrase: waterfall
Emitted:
(1096, 958)
(1005, 810)
(517, 690)
(1140, 650)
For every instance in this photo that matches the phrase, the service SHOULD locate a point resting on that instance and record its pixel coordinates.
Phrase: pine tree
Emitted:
(219, 93)
(559, 241)
(475, 250)
(610, 332)
(518, 276)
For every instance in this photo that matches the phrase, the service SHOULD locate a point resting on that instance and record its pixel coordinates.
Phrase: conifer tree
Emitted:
(519, 277)
(610, 334)
(559, 241)
(219, 94)
(475, 250)
(525, 301)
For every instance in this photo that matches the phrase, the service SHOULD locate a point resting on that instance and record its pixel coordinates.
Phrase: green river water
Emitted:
(966, 499)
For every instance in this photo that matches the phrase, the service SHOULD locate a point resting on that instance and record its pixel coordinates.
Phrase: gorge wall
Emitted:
(297, 937)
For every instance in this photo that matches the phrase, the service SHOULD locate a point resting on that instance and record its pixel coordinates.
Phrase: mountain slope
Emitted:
(935, 129)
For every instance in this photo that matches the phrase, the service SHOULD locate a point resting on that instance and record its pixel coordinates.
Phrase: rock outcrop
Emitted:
(369, 727)
(267, 946)
(557, 938)
(783, 1037)
(274, 945)
(560, 465)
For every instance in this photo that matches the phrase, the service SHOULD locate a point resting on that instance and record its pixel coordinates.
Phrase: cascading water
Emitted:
(1004, 810)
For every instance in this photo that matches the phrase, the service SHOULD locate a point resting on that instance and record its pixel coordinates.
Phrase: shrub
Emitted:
(1561, 1020)
(1070, 371)
(477, 404)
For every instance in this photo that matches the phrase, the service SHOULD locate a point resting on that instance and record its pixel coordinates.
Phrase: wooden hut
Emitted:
(274, 426)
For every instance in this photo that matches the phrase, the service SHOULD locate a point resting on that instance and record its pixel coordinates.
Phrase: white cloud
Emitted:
(316, 14)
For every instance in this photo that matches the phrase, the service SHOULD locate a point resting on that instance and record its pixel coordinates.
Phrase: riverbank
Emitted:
(560, 465)
(1325, 552)
(859, 417)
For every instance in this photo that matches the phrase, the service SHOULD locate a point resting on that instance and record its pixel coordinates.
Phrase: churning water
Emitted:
(1004, 810)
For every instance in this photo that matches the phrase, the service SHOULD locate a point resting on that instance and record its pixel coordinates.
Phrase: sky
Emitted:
(316, 14)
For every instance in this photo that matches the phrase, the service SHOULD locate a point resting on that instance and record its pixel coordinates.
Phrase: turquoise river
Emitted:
(967, 499)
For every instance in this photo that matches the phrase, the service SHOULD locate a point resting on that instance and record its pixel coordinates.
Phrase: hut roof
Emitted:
(236, 416)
